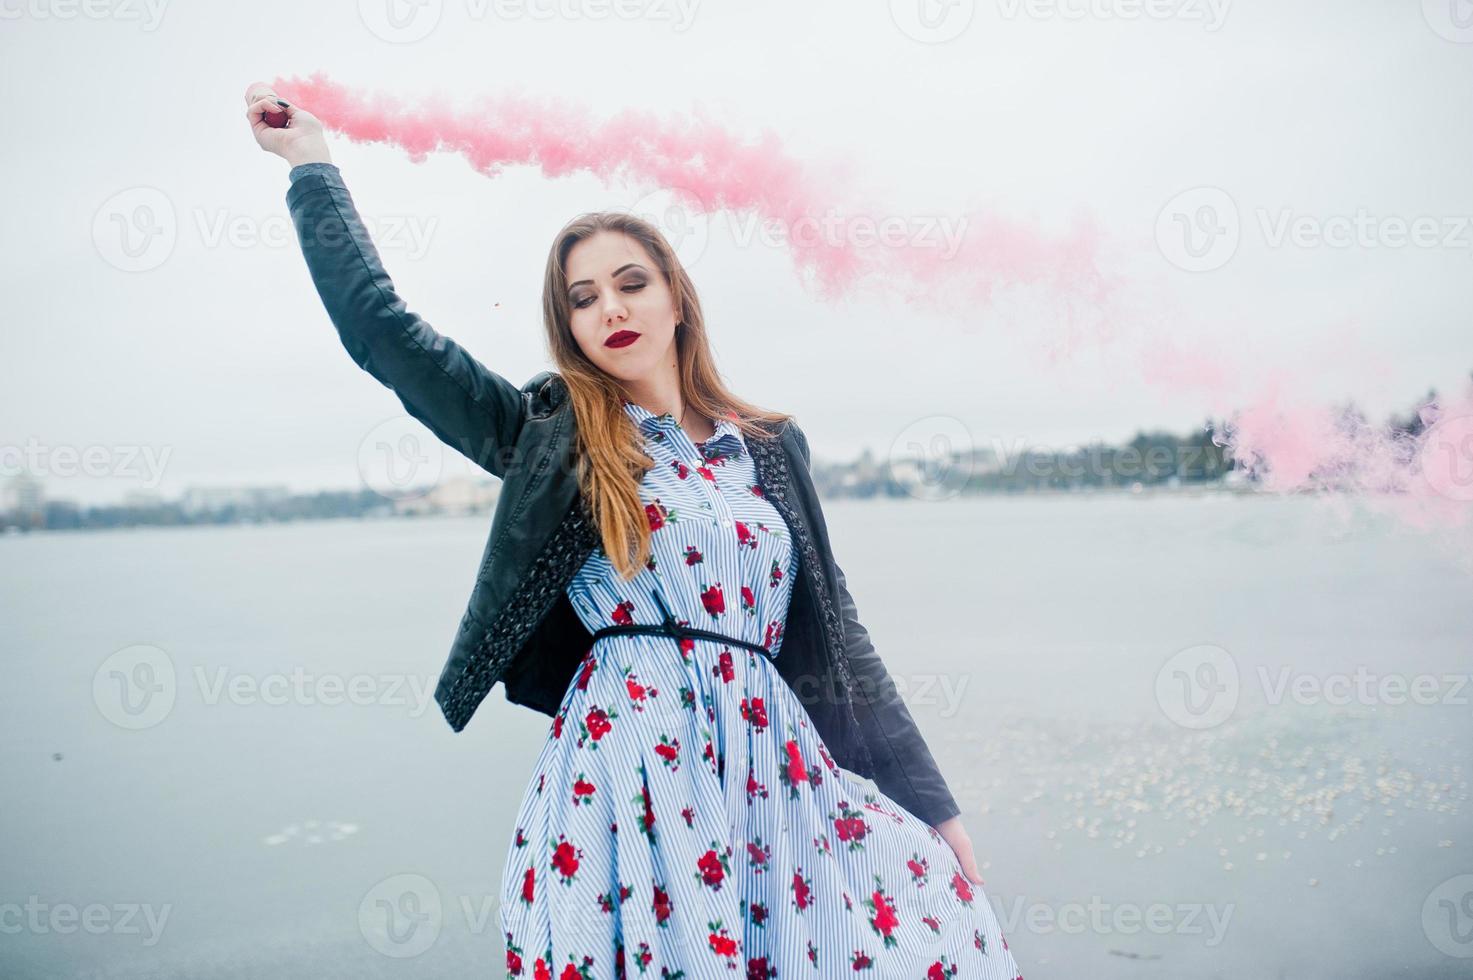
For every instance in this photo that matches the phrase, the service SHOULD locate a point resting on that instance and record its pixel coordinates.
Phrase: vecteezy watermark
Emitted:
(407, 21)
(137, 687)
(42, 918)
(1447, 916)
(138, 228)
(933, 457)
(1198, 687)
(149, 13)
(142, 463)
(1446, 457)
(1211, 13)
(1450, 19)
(1200, 229)
(682, 215)
(932, 21)
(398, 459)
(1101, 918)
(837, 229)
(1362, 687)
(401, 916)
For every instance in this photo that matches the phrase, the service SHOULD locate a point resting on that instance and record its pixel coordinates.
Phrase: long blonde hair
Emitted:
(610, 460)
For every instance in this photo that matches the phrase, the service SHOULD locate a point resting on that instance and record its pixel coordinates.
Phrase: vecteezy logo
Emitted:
(1447, 916)
(682, 217)
(135, 229)
(1451, 19)
(1198, 230)
(400, 21)
(401, 915)
(932, 458)
(135, 687)
(399, 460)
(932, 21)
(1198, 687)
(1446, 457)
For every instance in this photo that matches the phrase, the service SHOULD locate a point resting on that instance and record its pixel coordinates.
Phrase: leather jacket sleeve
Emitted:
(904, 767)
(468, 407)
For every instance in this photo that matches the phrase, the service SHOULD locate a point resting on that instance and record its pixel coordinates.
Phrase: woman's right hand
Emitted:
(300, 141)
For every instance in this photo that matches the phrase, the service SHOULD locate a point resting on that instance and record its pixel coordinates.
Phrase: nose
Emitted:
(614, 312)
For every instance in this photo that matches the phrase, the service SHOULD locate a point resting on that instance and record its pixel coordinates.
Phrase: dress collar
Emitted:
(726, 441)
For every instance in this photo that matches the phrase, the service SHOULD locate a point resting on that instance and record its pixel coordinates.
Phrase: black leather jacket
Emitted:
(519, 627)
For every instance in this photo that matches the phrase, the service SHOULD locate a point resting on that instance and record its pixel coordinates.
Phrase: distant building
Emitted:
(204, 500)
(455, 495)
(22, 494)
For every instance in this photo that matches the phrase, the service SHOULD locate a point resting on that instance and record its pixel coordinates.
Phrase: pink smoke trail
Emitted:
(709, 169)
(1292, 444)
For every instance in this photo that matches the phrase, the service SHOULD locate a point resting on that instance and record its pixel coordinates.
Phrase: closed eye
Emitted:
(631, 288)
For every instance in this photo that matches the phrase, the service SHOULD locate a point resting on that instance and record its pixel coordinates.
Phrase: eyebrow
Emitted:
(589, 282)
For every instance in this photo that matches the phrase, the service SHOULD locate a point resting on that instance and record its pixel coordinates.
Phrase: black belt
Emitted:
(676, 631)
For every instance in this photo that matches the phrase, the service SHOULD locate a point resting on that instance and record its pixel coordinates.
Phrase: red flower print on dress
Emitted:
(754, 788)
(643, 956)
(722, 944)
(582, 790)
(595, 725)
(962, 887)
(513, 958)
(529, 879)
(812, 954)
(577, 971)
(688, 814)
(706, 473)
(849, 825)
(621, 612)
(714, 866)
(693, 556)
(557, 724)
(660, 905)
(870, 804)
(657, 514)
(713, 600)
(521, 839)
(609, 900)
(802, 891)
(541, 970)
(723, 668)
(758, 854)
(795, 773)
(773, 634)
(638, 693)
(589, 665)
(749, 601)
(756, 490)
(941, 969)
(647, 816)
(859, 960)
(754, 710)
(681, 470)
(565, 859)
(757, 969)
(931, 923)
(745, 537)
(774, 575)
(758, 913)
(919, 868)
(980, 941)
(669, 752)
(883, 919)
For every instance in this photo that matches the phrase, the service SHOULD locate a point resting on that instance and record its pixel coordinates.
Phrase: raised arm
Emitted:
(467, 406)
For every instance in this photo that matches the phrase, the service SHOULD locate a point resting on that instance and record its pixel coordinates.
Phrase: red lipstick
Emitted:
(621, 338)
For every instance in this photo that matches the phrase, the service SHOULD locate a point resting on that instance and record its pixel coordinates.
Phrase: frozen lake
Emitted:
(1193, 737)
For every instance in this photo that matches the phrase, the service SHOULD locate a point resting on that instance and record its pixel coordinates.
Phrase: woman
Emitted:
(685, 818)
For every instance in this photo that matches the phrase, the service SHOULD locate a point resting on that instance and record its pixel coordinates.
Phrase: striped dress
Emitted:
(684, 819)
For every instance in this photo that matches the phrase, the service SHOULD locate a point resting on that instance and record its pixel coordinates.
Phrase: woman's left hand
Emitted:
(952, 831)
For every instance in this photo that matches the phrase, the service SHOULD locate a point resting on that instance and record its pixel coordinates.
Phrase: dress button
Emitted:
(725, 522)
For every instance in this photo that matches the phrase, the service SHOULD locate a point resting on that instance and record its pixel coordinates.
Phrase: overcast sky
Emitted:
(219, 359)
